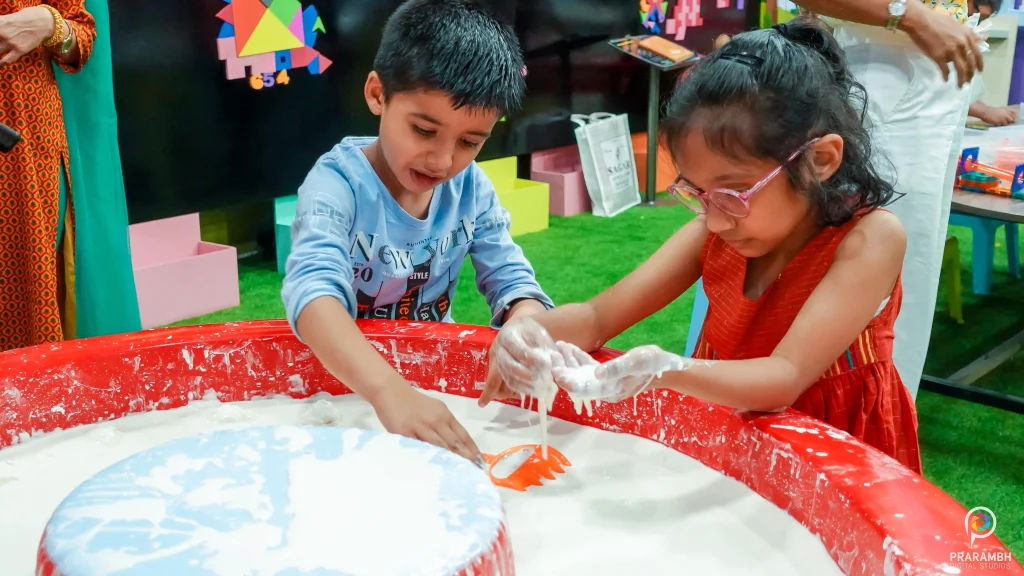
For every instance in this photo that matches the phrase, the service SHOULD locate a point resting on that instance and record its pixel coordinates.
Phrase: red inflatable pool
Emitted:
(874, 517)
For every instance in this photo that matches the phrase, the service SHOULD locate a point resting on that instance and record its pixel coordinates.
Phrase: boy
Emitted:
(383, 224)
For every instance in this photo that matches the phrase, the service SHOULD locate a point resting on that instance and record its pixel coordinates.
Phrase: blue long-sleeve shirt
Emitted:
(352, 241)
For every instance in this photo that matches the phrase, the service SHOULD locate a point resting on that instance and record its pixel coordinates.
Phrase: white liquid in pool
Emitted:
(626, 505)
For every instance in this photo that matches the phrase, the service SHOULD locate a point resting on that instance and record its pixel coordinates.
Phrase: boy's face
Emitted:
(424, 140)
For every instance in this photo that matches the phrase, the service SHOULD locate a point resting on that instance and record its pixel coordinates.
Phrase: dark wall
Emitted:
(191, 140)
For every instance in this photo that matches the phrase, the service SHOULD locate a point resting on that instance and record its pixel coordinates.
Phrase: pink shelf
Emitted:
(562, 170)
(177, 275)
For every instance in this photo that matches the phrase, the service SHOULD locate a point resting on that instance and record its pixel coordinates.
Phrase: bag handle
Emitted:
(582, 119)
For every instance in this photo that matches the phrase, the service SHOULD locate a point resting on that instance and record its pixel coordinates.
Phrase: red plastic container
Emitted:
(874, 516)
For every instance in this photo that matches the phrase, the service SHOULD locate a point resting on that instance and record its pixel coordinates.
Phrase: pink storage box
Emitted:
(177, 275)
(562, 170)
(1009, 158)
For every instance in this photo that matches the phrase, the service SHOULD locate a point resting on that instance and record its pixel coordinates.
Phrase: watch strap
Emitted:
(897, 9)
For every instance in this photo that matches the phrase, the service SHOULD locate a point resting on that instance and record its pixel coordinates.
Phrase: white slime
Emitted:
(626, 505)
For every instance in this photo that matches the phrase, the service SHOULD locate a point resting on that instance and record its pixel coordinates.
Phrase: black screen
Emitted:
(192, 140)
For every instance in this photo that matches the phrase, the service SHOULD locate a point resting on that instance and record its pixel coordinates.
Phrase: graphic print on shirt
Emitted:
(411, 306)
(375, 266)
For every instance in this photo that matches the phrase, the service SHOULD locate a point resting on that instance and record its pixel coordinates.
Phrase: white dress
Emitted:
(917, 120)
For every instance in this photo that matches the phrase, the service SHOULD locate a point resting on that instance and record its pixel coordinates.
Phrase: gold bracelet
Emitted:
(58, 36)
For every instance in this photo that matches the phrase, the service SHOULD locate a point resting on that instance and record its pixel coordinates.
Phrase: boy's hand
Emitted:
(404, 410)
(520, 360)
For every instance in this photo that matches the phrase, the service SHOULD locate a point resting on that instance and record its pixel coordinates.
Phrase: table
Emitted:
(959, 385)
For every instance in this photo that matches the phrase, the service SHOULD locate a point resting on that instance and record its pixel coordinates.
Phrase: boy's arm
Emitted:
(321, 307)
(503, 275)
(317, 291)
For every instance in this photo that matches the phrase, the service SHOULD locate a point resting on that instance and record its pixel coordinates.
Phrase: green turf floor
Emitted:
(974, 453)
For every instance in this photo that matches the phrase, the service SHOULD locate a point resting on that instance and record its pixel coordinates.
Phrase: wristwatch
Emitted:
(897, 8)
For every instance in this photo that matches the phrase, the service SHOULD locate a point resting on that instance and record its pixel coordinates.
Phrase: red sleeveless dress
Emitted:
(861, 393)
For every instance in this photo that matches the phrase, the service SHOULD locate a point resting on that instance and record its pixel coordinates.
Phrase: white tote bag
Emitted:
(609, 167)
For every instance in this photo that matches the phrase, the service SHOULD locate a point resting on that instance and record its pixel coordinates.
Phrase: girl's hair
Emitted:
(767, 93)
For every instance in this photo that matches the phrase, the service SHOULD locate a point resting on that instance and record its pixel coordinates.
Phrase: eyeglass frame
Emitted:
(704, 196)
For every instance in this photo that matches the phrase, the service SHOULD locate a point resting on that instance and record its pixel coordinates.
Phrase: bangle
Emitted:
(58, 36)
(68, 43)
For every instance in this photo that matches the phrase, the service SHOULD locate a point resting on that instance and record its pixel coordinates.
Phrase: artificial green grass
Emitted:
(974, 453)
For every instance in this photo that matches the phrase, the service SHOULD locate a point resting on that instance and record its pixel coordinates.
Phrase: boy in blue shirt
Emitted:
(383, 225)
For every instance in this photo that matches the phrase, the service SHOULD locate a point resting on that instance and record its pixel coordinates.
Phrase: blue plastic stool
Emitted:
(983, 235)
(284, 214)
(700, 309)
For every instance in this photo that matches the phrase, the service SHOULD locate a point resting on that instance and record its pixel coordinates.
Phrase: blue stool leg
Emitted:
(1012, 250)
(700, 309)
(984, 233)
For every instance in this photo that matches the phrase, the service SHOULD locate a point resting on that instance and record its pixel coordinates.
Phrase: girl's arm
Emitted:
(520, 352)
(655, 284)
(863, 274)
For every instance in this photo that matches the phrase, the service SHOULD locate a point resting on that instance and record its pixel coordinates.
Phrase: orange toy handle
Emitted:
(529, 472)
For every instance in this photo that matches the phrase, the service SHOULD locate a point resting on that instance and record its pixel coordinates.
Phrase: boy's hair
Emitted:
(993, 4)
(455, 46)
(767, 93)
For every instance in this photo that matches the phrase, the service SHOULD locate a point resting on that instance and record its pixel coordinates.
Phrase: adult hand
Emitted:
(406, 411)
(23, 31)
(520, 361)
(945, 40)
(998, 116)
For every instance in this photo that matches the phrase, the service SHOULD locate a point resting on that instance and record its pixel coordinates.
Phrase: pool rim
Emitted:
(873, 515)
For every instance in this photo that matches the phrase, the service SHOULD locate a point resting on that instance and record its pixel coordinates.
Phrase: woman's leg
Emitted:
(917, 121)
(65, 259)
(61, 210)
(62, 205)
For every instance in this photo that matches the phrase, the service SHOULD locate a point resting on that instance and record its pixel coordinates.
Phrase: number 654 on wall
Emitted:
(267, 79)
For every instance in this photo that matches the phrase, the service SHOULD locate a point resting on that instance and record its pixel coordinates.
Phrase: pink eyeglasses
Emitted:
(732, 202)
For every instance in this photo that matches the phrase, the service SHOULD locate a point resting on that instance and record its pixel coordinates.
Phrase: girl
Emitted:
(801, 270)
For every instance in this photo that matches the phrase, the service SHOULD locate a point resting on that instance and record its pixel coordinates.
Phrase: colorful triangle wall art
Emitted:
(270, 35)
(265, 39)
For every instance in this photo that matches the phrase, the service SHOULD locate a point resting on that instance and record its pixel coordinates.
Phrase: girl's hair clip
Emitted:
(747, 59)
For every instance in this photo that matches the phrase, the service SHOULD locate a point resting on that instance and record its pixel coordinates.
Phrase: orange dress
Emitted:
(861, 393)
(30, 185)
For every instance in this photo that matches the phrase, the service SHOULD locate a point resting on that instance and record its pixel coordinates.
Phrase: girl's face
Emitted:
(778, 210)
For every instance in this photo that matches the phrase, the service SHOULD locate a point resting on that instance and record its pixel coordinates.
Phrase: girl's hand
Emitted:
(520, 361)
(626, 376)
(23, 31)
(575, 371)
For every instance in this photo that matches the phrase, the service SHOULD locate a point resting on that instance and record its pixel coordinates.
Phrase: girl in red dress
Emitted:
(801, 269)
